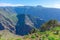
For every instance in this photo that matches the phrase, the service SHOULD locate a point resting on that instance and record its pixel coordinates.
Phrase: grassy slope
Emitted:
(6, 35)
(47, 35)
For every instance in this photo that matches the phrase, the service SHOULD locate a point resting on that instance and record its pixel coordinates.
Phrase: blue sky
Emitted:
(45, 3)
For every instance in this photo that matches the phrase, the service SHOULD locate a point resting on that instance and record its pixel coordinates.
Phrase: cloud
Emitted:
(9, 4)
(55, 5)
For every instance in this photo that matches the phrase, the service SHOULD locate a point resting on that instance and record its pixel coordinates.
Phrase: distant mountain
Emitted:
(20, 20)
(23, 26)
(39, 11)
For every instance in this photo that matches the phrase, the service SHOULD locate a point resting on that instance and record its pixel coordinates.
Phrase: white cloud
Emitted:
(8, 4)
(55, 5)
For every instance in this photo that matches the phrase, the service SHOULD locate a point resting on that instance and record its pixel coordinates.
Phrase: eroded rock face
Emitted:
(5, 23)
(1, 27)
(26, 23)
(23, 26)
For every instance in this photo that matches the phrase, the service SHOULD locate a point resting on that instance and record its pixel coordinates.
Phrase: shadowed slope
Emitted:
(26, 23)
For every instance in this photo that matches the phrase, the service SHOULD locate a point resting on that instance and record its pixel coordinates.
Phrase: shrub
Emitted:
(33, 36)
(51, 38)
(19, 39)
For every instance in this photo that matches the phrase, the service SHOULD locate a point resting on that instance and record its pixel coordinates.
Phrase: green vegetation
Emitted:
(48, 31)
(19, 39)
(33, 36)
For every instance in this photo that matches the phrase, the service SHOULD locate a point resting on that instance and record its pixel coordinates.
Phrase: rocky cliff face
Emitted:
(23, 26)
(26, 23)
(6, 23)
(12, 19)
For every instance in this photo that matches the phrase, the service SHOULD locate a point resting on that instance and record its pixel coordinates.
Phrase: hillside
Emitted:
(37, 11)
(19, 24)
(51, 34)
(29, 23)
(26, 23)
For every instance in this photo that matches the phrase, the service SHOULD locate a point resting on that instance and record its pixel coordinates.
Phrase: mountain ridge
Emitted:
(20, 20)
(23, 25)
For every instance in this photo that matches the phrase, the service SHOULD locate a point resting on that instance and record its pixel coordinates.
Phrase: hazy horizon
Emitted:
(44, 3)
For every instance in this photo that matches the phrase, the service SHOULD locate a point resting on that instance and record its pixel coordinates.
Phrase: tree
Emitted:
(34, 30)
(48, 25)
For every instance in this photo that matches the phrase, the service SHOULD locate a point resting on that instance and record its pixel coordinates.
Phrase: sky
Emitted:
(45, 3)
